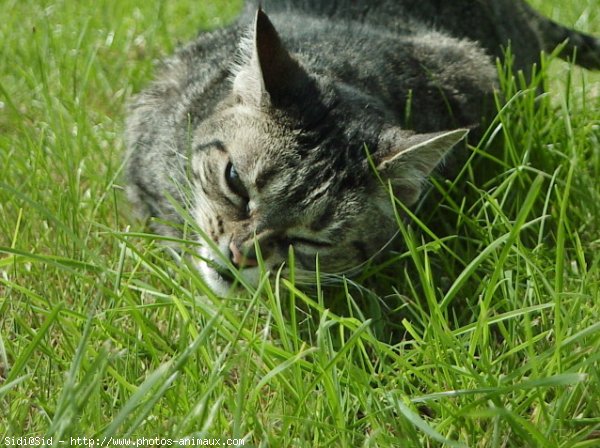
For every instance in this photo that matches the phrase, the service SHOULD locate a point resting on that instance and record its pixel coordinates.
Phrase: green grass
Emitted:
(484, 332)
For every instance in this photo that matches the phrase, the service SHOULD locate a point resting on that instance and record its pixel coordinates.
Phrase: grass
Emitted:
(484, 332)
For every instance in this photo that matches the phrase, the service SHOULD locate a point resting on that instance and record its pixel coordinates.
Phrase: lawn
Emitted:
(483, 332)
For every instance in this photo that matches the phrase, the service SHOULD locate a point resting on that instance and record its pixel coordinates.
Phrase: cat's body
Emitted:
(266, 141)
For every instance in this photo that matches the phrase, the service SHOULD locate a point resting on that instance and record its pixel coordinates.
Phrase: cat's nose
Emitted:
(241, 260)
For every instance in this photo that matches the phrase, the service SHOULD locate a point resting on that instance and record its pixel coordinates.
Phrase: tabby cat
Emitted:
(290, 128)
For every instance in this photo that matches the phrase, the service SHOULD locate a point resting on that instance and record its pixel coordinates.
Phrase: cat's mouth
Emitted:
(224, 274)
(219, 277)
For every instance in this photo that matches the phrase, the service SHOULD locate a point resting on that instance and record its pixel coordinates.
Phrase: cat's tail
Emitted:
(581, 48)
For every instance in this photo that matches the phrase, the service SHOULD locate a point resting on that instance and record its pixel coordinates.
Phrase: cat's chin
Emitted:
(216, 281)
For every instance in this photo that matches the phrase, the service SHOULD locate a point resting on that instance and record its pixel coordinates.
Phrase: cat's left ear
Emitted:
(406, 159)
(271, 73)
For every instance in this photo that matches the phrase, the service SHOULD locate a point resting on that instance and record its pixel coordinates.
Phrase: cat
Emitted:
(289, 126)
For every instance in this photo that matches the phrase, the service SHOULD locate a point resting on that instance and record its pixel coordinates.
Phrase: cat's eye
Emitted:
(311, 242)
(234, 182)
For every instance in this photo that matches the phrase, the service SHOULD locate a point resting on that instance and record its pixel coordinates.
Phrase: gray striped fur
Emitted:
(310, 106)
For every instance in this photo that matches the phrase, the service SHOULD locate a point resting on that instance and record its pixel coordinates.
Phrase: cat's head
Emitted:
(295, 158)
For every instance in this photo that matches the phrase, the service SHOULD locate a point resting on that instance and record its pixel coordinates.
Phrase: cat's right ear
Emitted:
(269, 73)
(406, 159)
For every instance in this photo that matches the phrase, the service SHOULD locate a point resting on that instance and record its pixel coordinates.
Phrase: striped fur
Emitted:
(287, 129)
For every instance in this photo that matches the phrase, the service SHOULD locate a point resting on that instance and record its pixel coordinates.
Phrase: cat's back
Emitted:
(492, 23)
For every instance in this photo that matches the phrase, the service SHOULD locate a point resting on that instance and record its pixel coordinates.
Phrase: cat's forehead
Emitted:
(255, 126)
(262, 145)
(283, 167)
